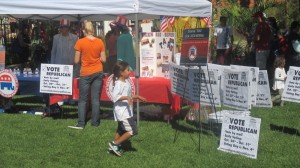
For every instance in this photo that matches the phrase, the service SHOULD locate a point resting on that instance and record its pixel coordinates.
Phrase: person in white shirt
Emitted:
(223, 42)
(123, 103)
(279, 78)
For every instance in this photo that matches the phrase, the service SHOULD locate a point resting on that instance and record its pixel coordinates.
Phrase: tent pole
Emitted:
(137, 67)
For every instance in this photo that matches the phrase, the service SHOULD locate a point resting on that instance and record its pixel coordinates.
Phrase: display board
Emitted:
(56, 79)
(240, 135)
(263, 97)
(194, 49)
(291, 90)
(156, 52)
(2, 57)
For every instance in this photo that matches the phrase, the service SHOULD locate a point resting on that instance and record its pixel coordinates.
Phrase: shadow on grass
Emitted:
(283, 129)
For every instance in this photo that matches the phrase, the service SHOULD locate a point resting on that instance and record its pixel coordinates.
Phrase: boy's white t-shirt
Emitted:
(279, 77)
(122, 109)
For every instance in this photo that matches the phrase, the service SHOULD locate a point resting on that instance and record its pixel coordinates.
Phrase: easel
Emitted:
(199, 112)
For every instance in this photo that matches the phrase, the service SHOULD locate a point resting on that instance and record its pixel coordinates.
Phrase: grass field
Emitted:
(29, 141)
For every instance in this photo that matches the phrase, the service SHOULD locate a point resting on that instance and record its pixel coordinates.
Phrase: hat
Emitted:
(258, 14)
(64, 23)
(122, 21)
(113, 24)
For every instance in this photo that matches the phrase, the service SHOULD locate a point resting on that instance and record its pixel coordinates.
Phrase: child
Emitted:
(279, 77)
(123, 103)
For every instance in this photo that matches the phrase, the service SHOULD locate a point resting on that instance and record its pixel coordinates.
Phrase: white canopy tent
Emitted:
(98, 10)
(103, 9)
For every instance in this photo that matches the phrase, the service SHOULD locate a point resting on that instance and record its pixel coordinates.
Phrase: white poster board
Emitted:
(157, 50)
(263, 97)
(253, 79)
(178, 77)
(236, 93)
(204, 87)
(240, 135)
(56, 79)
(291, 90)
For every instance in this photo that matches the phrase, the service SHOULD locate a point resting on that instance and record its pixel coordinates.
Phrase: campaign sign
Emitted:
(9, 83)
(263, 97)
(204, 87)
(179, 77)
(240, 135)
(194, 48)
(56, 79)
(236, 93)
(109, 86)
(291, 90)
(253, 79)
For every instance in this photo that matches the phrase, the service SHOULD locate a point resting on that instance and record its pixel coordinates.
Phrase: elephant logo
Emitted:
(8, 83)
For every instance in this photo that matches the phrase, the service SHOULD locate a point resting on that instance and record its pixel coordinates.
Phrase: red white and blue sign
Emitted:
(9, 84)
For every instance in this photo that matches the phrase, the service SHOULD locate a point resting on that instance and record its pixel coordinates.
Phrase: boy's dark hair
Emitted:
(119, 67)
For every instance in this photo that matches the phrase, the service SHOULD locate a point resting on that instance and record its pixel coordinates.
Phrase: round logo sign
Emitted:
(9, 84)
(109, 86)
(192, 53)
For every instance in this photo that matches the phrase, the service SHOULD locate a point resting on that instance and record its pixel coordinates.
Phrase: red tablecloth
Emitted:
(155, 90)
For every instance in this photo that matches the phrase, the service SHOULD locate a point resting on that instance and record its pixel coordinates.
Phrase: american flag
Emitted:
(164, 23)
(208, 21)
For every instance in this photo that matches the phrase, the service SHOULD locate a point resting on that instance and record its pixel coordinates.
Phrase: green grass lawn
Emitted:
(29, 141)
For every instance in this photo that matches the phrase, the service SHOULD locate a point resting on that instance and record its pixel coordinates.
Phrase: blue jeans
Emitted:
(93, 84)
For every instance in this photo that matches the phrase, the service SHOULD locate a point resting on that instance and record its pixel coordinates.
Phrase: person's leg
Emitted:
(220, 56)
(280, 93)
(95, 98)
(84, 86)
(227, 56)
(261, 59)
(130, 127)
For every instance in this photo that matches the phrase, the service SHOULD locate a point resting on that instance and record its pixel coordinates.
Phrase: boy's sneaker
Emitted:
(115, 148)
(76, 126)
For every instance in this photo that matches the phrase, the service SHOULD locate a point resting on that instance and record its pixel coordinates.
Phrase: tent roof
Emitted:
(103, 9)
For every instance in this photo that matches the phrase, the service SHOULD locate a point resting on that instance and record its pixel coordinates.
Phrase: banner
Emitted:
(291, 90)
(253, 82)
(240, 135)
(56, 79)
(236, 93)
(194, 49)
(263, 97)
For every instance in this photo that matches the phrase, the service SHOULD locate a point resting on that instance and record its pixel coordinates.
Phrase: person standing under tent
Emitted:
(261, 40)
(24, 41)
(63, 46)
(125, 50)
(91, 52)
(111, 39)
(223, 42)
(123, 106)
(293, 38)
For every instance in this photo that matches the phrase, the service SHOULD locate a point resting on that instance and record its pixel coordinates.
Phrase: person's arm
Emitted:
(53, 51)
(139, 97)
(77, 57)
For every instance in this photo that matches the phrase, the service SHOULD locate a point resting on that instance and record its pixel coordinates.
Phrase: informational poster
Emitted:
(263, 97)
(236, 93)
(240, 135)
(194, 48)
(178, 77)
(156, 52)
(2, 57)
(204, 86)
(253, 83)
(56, 79)
(291, 90)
